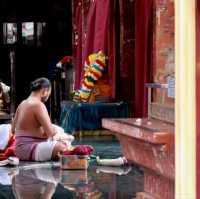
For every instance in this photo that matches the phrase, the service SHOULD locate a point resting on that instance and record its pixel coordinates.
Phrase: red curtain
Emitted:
(99, 34)
(198, 96)
(143, 54)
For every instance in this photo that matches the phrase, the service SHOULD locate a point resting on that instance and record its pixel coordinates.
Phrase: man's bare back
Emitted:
(32, 117)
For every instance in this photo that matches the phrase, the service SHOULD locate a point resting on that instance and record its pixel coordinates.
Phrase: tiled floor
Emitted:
(47, 180)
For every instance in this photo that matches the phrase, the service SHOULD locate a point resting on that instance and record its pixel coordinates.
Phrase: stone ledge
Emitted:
(149, 130)
(146, 142)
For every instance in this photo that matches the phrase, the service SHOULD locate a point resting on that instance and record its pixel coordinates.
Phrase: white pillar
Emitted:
(185, 107)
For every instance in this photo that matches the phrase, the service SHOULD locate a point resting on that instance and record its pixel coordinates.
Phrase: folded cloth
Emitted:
(10, 149)
(4, 135)
(80, 150)
(33, 148)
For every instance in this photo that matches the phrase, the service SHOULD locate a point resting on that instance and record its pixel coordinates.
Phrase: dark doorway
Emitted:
(42, 36)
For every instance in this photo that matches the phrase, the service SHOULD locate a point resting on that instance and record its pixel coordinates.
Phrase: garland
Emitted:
(93, 70)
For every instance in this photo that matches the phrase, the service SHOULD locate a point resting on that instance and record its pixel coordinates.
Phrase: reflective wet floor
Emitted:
(47, 180)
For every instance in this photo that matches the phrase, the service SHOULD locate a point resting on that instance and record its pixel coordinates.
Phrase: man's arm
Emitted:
(43, 118)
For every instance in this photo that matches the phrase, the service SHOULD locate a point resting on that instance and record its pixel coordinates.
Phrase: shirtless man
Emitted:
(33, 128)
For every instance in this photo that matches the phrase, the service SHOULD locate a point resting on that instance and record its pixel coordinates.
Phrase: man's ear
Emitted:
(44, 91)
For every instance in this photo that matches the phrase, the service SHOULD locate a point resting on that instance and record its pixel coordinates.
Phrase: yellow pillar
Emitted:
(185, 99)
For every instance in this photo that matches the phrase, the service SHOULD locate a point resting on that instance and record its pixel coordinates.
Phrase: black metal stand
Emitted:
(13, 86)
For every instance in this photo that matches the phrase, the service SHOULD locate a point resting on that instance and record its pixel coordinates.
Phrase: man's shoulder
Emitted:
(32, 103)
(37, 104)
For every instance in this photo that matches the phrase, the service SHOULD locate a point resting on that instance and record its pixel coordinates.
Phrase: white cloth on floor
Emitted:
(43, 150)
(4, 135)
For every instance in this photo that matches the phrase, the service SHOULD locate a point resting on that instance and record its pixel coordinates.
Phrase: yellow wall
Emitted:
(185, 99)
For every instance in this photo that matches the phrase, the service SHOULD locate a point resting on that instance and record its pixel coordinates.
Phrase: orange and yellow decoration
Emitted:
(93, 71)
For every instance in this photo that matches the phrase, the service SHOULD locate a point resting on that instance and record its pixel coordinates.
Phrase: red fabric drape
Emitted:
(198, 96)
(143, 54)
(99, 35)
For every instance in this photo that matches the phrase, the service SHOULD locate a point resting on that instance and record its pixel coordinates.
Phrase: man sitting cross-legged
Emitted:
(35, 135)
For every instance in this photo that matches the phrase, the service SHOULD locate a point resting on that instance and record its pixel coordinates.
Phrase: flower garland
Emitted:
(93, 70)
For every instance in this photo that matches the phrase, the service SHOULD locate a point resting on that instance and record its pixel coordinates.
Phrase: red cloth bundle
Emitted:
(10, 149)
(80, 150)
